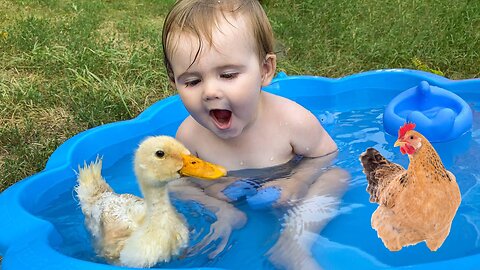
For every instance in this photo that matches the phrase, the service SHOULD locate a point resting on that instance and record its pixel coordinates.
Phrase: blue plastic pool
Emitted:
(41, 225)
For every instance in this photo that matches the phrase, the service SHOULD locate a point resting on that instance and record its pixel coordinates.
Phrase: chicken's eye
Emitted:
(160, 154)
(411, 137)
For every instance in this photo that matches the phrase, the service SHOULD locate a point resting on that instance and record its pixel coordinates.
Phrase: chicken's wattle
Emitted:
(407, 149)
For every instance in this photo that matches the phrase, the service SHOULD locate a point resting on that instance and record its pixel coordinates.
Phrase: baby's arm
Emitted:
(307, 136)
(294, 187)
(305, 220)
(309, 139)
(228, 217)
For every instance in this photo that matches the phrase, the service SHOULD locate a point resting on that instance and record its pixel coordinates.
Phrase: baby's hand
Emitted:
(262, 194)
(215, 188)
(228, 219)
(240, 188)
(286, 190)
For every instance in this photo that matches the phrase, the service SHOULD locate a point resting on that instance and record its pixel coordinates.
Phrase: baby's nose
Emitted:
(212, 90)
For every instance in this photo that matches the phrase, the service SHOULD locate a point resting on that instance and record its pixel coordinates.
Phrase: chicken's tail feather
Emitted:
(371, 161)
(91, 184)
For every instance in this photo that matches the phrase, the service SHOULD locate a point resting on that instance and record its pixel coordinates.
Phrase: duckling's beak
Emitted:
(193, 166)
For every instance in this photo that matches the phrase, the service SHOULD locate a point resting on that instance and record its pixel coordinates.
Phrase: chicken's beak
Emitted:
(399, 143)
(193, 166)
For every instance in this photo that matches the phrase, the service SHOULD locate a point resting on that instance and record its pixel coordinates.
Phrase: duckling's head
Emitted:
(162, 158)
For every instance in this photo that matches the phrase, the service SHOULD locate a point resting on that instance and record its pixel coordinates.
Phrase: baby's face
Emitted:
(221, 90)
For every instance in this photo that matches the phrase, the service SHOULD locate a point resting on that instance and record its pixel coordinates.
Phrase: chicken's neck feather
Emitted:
(426, 159)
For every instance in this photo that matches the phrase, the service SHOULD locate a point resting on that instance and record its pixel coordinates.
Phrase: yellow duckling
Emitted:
(136, 232)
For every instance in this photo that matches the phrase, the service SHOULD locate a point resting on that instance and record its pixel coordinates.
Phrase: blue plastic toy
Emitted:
(439, 115)
(326, 118)
(257, 197)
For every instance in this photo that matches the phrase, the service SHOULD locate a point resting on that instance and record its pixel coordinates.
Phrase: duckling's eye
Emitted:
(160, 154)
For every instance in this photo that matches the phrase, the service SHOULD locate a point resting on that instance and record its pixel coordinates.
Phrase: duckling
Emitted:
(135, 232)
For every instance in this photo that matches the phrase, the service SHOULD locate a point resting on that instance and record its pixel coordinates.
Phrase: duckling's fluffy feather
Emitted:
(109, 217)
(117, 223)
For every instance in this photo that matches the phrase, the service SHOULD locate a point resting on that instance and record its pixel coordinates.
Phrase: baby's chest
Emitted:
(258, 153)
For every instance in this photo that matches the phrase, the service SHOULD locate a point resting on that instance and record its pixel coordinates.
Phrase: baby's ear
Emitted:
(268, 68)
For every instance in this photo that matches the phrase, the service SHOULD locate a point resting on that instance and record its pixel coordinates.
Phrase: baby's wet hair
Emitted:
(200, 17)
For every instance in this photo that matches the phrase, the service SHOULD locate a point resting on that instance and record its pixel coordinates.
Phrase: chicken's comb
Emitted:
(406, 127)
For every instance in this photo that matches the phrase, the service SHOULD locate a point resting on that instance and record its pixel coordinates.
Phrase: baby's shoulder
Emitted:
(188, 132)
(287, 108)
(190, 126)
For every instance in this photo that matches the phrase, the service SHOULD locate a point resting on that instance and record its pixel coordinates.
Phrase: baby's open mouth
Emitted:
(222, 118)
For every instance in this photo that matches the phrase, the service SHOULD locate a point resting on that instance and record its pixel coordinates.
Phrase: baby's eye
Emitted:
(192, 83)
(229, 76)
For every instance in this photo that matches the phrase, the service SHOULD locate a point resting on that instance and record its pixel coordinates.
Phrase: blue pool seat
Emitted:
(439, 115)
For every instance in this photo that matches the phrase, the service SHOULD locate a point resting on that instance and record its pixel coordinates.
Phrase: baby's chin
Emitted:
(227, 134)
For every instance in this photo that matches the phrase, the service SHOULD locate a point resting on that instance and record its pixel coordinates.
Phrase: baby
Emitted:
(218, 55)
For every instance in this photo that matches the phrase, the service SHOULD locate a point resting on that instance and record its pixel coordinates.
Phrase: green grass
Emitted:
(67, 66)
(335, 38)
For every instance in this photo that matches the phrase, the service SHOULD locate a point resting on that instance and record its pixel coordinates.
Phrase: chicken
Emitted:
(417, 204)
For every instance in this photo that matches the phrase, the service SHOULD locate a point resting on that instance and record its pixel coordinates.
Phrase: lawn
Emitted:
(67, 66)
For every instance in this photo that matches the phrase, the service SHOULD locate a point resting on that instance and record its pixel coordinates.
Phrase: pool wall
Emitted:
(26, 240)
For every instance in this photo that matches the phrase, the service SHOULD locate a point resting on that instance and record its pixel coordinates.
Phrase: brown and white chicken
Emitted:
(417, 204)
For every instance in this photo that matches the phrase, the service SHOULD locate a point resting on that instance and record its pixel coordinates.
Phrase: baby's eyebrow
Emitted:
(230, 66)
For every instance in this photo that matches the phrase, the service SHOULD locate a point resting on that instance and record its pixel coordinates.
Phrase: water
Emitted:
(347, 237)
(357, 130)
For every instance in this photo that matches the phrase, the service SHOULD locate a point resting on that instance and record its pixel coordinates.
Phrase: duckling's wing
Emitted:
(123, 210)
(117, 216)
